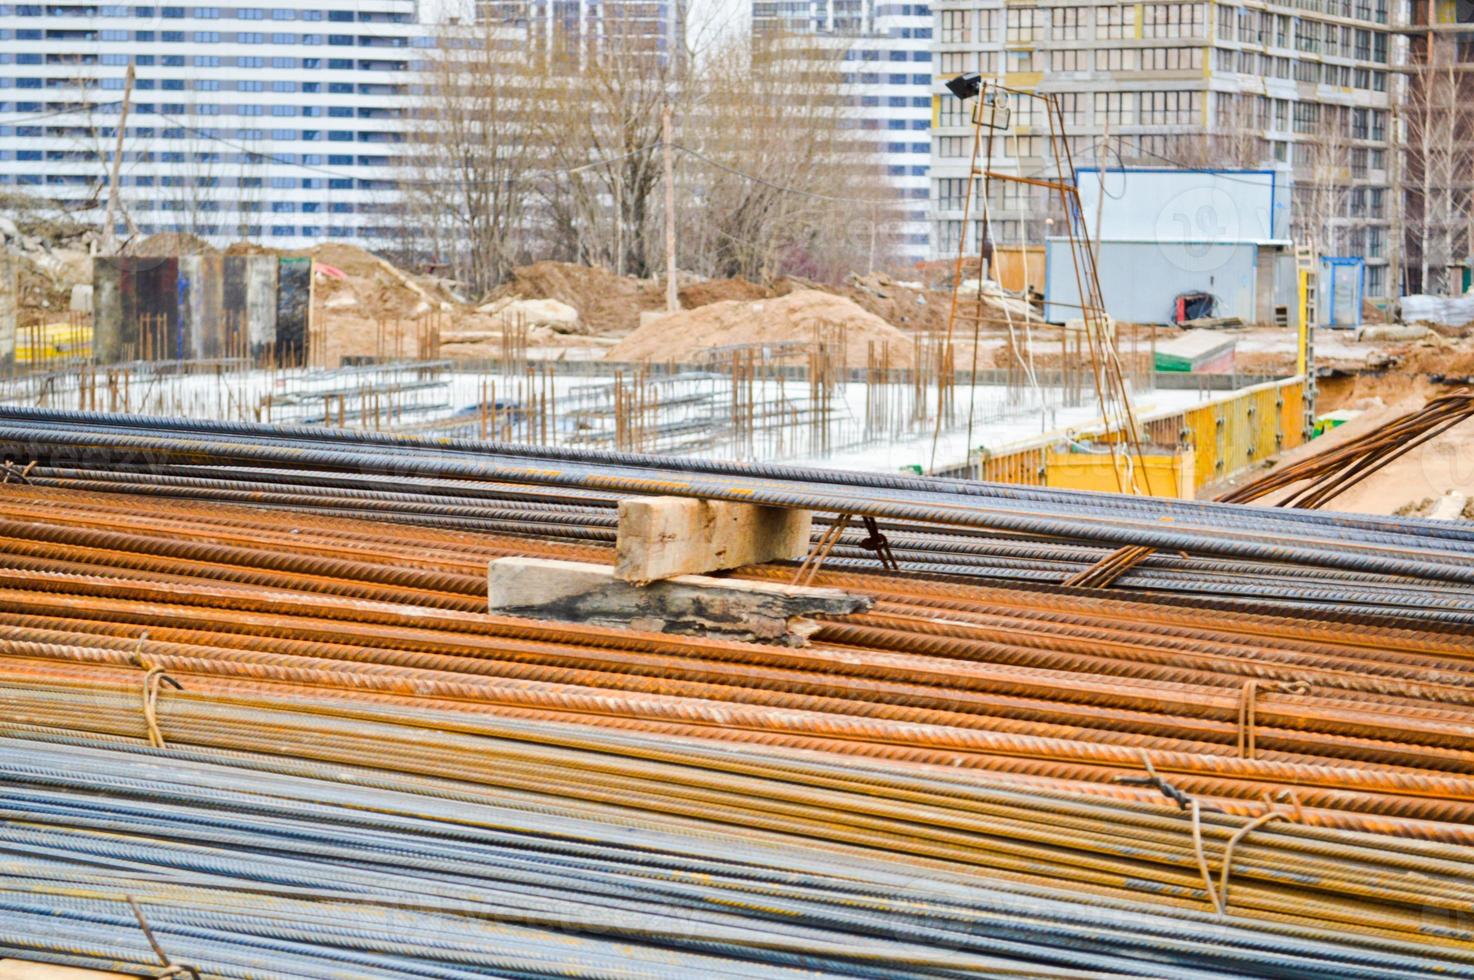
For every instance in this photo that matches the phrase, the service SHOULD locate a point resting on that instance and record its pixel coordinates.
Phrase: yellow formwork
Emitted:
(1219, 438)
(1167, 474)
(42, 342)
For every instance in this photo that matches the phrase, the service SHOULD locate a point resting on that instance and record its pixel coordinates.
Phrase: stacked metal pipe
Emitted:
(976, 777)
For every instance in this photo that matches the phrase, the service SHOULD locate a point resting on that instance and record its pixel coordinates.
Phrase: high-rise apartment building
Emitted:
(887, 76)
(1303, 89)
(627, 25)
(279, 123)
(284, 124)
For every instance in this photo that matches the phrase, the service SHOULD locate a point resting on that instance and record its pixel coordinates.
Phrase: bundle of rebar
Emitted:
(670, 860)
(297, 739)
(1252, 558)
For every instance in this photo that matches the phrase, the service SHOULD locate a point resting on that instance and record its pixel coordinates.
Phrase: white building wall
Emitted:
(277, 123)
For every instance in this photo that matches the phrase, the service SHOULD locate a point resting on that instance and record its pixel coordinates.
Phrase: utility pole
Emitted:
(114, 176)
(672, 301)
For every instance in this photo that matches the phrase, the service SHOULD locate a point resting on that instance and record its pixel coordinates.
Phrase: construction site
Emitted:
(924, 627)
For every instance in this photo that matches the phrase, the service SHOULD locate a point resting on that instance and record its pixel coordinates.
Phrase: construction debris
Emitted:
(1196, 351)
(533, 313)
(606, 303)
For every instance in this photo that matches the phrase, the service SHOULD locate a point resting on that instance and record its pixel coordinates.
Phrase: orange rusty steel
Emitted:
(1367, 728)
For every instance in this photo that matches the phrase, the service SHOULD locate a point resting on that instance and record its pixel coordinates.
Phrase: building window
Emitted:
(955, 26)
(950, 192)
(1376, 280)
(1184, 20)
(1072, 107)
(952, 112)
(1067, 23)
(1115, 23)
(1170, 108)
(1115, 108)
(952, 146)
(1172, 59)
(1025, 24)
(987, 26)
(1069, 59)
(1307, 116)
(1116, 59)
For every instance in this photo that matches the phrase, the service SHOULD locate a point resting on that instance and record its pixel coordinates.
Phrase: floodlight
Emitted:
(966, 86)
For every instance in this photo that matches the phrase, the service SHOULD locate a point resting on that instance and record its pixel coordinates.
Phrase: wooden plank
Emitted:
(734, 609)
(660, 537)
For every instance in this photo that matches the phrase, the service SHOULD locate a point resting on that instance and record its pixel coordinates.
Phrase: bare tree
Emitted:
(548, 145)
(1438, 172)
(1236, 138)
(786, 178)
(1322, 191)
(470, 170)
(598, 124)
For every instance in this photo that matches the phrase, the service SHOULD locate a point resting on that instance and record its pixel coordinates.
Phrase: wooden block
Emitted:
(31, 970)
(660, 537)
(580, 592)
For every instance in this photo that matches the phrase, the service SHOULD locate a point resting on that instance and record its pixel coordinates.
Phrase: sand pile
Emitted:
(683, 336)
(377, 288)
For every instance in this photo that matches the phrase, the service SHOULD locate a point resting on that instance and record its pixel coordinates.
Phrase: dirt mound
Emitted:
(683, 336)
(606, 303)
(908, 305)
(251, 248)
(720, 291)
(167, 243)
(39, 298)
(1405, 375)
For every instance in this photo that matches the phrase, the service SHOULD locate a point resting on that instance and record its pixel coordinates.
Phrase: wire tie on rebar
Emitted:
(21, 475)
(1156, 782)
(1220, 898)
(1202, 857)
(169, 968)
(1248, 718)
(879, 544)
(1286, 795)
(154, 677)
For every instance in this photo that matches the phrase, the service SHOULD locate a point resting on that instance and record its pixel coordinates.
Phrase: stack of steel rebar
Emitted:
(1232, 556)
(296, 738)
